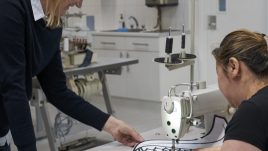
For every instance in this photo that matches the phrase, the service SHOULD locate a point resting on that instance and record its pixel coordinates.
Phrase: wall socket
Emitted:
(212, 22)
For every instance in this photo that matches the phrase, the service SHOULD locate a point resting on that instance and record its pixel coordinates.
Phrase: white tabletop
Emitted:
(155, 134)
(115, 146)
(194, 138)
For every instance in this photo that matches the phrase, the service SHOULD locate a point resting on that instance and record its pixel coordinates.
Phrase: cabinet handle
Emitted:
(121, 55)
(108, 43)
(128, 56)
(140, 44)
(128, 69)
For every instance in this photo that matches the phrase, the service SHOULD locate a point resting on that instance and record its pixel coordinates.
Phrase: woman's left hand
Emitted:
(122, 132)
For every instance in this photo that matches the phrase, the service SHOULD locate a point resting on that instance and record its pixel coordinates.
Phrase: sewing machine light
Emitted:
(195, 121)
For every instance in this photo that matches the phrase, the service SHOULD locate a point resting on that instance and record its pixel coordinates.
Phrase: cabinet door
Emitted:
(143, 78)
(108, 43)
(142, 44)
(116, 83)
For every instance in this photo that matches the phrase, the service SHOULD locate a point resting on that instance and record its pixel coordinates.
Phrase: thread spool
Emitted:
(169, 45)
(66, 46)
(92, 87)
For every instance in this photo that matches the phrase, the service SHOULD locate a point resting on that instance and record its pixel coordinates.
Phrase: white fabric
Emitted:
(38, 12)
(214, 137)
(5, 139)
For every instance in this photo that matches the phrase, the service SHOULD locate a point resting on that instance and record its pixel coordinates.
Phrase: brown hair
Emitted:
(53, 13)
(246, 46)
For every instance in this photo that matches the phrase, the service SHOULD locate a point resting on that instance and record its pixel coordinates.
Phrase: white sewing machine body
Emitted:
(192, 108)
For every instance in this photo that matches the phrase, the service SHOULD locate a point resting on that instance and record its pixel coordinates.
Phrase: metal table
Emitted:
(102, 67)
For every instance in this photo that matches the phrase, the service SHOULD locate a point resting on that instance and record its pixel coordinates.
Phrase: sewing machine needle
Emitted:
(173, 145)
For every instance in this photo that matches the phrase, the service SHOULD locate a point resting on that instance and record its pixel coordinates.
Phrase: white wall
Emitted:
(266, 17)
(250, 14)
(107, 13)
(240, 14)
(92, 8)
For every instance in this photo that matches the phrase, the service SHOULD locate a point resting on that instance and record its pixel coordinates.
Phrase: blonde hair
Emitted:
(246, 46)
(53, 13)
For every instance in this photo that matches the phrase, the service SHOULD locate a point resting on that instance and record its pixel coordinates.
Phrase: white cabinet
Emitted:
(146, 80)
(142, 78)
(142, 44)
(108, 42)
(116, 83)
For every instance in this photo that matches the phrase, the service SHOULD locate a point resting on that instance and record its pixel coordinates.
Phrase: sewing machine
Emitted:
(194, 107)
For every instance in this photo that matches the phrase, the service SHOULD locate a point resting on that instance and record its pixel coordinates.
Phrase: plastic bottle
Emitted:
(122, 24)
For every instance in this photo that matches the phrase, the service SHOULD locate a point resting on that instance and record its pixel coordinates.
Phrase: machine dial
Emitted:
(169, 106)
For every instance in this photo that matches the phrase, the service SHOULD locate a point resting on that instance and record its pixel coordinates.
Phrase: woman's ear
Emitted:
(233, 68)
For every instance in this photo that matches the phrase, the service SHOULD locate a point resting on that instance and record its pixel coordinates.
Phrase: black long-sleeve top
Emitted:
(27, 49)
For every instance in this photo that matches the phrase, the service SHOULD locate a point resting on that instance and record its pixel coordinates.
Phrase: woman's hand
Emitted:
(121, 132)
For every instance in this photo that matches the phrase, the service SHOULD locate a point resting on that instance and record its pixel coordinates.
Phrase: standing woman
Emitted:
(242, 69)
(30, 33)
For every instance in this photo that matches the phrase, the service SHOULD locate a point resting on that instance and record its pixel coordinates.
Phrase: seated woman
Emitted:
(242, 69)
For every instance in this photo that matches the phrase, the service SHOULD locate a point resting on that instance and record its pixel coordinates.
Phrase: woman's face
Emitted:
(66, 4)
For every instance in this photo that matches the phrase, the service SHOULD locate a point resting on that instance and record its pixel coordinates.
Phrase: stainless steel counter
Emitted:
(136, 34)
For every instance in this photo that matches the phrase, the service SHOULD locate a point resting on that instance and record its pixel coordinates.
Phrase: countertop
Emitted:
(195, 138)
(155, 134)
(135, 34)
